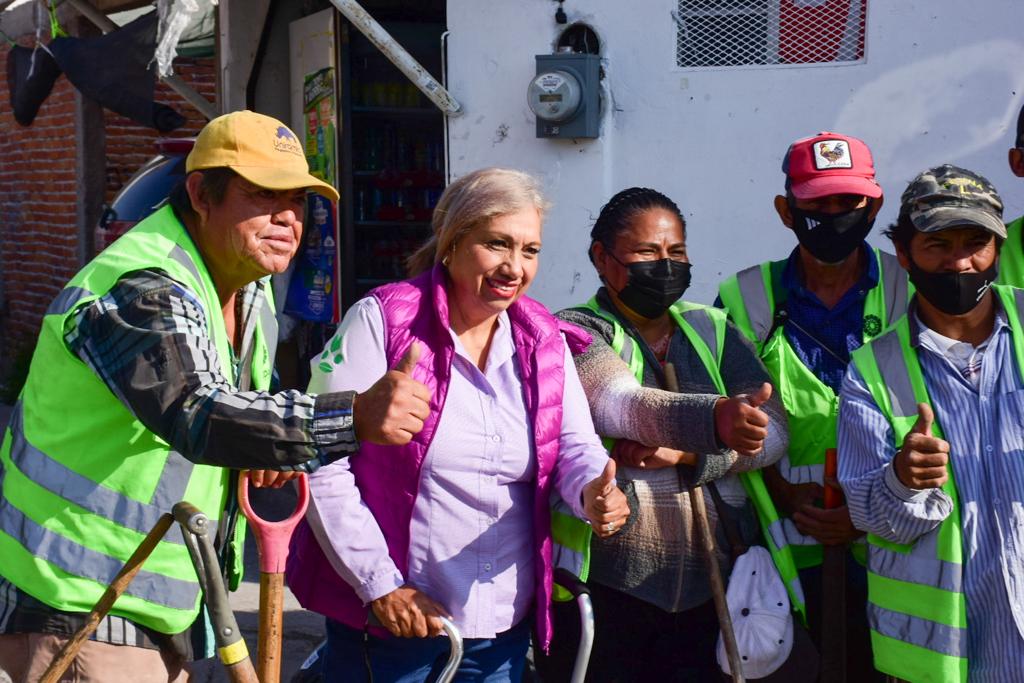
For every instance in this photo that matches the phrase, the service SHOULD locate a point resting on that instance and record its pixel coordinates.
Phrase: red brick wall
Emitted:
(129, 145)
(38, 236)
(39, 191)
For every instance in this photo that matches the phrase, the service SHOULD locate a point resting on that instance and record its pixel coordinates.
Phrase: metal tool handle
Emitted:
(231, 648)
(116, 588)
(455, 657)
(580, 591)
(451, 667)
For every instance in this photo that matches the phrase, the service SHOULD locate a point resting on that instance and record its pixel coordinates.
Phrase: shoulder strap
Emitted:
(728, 520)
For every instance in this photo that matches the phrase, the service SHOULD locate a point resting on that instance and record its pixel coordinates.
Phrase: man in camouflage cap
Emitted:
(948, 196)
(931, 431)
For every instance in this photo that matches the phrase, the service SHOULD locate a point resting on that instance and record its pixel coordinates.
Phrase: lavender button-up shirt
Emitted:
(471, 534)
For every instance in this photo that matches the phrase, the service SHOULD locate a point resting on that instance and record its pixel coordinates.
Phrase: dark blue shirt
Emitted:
(839, 328)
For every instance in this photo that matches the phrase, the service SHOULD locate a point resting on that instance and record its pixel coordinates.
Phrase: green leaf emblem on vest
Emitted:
(872, 325)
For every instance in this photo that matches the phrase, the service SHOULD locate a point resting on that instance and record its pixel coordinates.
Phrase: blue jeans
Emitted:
(412, 660)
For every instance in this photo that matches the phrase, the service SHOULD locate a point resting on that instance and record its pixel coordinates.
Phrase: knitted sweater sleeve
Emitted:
(623, 409)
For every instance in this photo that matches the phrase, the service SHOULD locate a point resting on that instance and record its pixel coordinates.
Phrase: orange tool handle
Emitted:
(833, 494)
(272, 537)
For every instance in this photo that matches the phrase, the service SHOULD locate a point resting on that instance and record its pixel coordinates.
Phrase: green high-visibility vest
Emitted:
(752, 298)
(916, 605)
(83, 480)
(1011, 256)
(704, 328)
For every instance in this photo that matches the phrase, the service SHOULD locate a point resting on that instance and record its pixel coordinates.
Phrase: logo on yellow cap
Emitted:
(285, 141)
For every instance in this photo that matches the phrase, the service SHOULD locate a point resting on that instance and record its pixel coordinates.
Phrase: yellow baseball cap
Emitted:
(259, 148)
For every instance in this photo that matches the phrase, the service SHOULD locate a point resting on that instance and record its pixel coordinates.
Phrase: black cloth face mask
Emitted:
(653, 286)
(953, 293)
(831, 237)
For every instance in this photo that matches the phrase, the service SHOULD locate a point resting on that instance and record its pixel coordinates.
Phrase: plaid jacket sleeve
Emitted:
(147, 339)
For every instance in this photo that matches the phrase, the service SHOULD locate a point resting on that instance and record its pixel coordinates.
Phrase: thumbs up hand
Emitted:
(604, 503)
(921, 462)
(739, 424)
(392, 411)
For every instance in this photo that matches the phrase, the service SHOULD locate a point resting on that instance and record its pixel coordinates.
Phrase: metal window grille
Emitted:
(716, 33)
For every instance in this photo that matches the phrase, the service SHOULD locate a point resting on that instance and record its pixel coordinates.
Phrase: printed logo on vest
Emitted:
(872, 325)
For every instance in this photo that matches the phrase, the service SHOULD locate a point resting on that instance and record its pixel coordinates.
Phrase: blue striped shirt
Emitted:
(985, 431)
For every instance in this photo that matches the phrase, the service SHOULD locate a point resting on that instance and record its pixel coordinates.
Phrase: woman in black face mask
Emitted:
(639, 251)
(654, 613)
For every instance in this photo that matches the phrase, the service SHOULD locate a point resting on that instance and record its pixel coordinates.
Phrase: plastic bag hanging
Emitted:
(114, 70)
(176, 18)
(31, 73)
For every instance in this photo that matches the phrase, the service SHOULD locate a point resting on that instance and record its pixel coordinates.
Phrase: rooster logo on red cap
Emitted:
(834, 154)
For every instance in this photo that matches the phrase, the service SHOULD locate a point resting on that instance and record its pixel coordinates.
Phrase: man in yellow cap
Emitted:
(150, 384)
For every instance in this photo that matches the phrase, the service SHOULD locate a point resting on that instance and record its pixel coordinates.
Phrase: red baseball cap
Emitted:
(830, 163)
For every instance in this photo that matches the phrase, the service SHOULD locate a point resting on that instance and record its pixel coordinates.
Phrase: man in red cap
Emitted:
(805, 314)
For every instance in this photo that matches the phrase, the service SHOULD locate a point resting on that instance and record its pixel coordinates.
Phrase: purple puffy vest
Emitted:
(388, 476)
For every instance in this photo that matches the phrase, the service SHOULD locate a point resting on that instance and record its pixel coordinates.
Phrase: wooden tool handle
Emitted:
(268, 646)
(114, 591)
(700, 513)
(732, 650)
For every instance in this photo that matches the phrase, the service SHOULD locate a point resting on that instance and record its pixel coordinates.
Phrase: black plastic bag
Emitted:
(31, 73)
(117, 71)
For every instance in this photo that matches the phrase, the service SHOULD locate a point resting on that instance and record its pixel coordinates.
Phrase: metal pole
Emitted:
(398, 56)
(200, 103)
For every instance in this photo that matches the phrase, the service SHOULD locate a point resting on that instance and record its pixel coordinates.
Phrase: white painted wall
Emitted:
(942, 82)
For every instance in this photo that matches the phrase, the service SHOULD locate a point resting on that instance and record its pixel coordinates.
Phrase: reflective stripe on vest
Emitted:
(81, 561)
(570, 544)
(811, 405)
(704, 327)
(77, 500)
(83, 492)
(916, 605)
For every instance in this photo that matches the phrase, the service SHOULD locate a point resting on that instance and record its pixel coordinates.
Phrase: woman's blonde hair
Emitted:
(471, 201)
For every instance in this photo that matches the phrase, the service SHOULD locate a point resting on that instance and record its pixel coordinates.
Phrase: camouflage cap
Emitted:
(948, 196)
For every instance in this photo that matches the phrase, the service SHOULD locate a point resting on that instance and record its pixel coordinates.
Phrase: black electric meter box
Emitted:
(565, 95)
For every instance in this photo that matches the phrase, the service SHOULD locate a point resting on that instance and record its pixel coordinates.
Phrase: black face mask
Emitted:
(953, 293)
(831, 237)
(653, 286)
